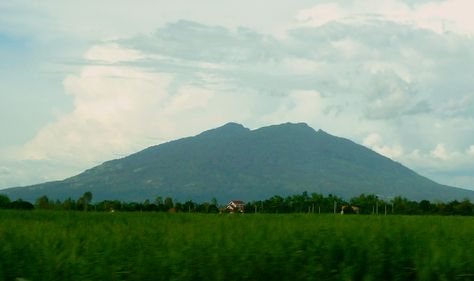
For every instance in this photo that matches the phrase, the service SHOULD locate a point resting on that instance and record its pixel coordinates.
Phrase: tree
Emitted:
(464, 208)
(168, 203)
(69, 204)
(316, 201)
(404, 206)
(189, 206)
(148, 206)
(88, 197)
(276, 204)
(367, 203)
(333, 203)
(178, 207)
(425, 206)
(4, 202)
(297, 203)
(204, 207)
(43, 203)
(213, 207)
(159, 204)
(85, 200)
(22, 205)
(158, 200)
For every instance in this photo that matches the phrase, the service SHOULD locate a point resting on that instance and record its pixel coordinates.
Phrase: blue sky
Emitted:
(82, 83)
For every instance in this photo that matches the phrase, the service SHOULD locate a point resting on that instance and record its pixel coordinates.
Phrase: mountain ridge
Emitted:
(232, 161)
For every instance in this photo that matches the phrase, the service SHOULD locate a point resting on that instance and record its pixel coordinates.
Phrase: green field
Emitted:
(54, 245)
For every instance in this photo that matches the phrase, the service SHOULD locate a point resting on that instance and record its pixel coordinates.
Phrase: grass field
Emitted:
(159, 246)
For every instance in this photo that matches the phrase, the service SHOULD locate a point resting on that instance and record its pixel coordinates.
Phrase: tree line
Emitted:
(364, 204)
(298, 203)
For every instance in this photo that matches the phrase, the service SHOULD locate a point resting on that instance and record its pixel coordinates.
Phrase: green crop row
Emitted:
(43, 245)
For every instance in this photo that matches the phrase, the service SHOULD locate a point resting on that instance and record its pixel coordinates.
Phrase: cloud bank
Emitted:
(393, 76)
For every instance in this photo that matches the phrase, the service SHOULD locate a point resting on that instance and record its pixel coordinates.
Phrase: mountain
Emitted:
(233, 162)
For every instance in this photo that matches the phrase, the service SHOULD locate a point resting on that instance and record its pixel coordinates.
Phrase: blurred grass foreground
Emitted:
(160, 246)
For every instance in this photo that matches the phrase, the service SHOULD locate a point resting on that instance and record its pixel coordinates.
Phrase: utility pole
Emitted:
(335, 207)
(377, 203)
(385, 209)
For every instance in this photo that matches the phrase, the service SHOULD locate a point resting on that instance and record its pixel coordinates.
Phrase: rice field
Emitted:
(57, 245)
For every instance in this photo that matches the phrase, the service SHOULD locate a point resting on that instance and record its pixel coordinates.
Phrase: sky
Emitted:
(83, 82)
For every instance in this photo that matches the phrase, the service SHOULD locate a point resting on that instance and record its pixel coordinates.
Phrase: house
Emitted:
(346, 209)
(235, 206)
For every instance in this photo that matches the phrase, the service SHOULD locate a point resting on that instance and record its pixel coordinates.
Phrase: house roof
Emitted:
(237, 202)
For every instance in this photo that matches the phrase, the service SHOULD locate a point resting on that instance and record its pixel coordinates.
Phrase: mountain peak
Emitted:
(227, 129)
(297, 124)
(289, 128)
(232, 125)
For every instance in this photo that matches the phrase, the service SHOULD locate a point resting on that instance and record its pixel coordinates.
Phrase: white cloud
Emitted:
(112, 53)
(440, 158)
(110, 116)
(298, 106)
(439, 152)
(4, 171)
(119, 109)
(440, 17)
(451, 167)
(322, 14)
(374, 141)
(393, 152)
(452, 15)
(348, 48)
(471, 150)
(458, 106)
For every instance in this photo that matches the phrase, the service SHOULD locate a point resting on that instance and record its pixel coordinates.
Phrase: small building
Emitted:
(235, 206)
(346, 209)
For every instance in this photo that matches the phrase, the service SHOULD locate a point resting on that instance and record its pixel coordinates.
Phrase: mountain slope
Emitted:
(235, 162)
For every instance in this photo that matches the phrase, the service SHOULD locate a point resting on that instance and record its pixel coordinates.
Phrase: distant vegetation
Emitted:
(42, 245)
(299, 203)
